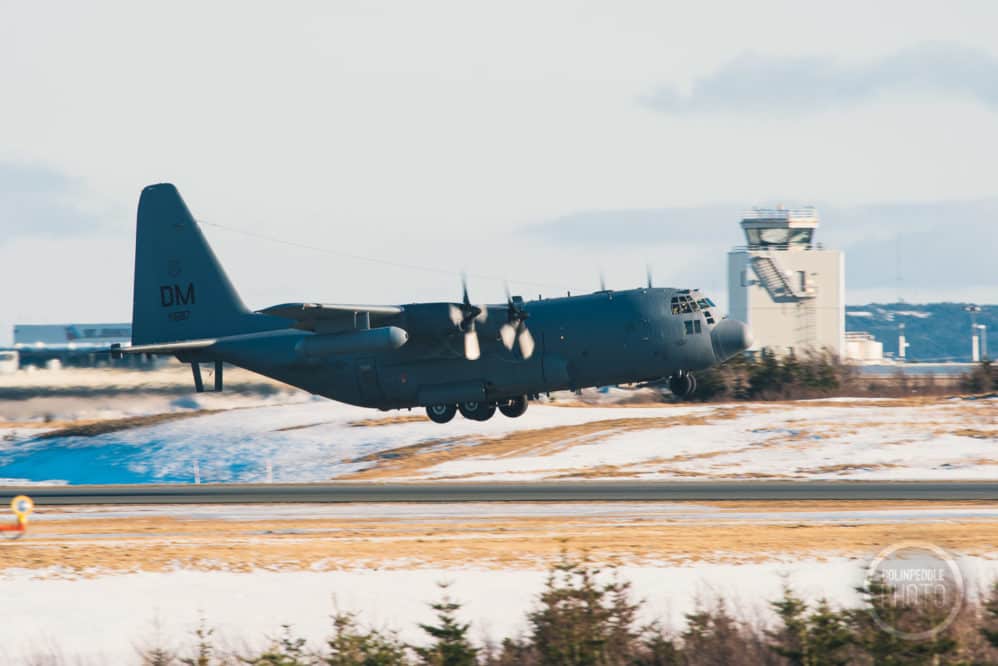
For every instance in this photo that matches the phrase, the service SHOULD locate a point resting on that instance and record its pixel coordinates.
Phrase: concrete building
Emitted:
(788, 289)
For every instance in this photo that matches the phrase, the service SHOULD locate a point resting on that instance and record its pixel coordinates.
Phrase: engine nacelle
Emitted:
(385, 338)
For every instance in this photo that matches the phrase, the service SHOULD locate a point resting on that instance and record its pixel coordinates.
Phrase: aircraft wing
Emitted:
(330, 318)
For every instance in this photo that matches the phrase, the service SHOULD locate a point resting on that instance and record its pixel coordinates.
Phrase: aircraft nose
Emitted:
(729, 337)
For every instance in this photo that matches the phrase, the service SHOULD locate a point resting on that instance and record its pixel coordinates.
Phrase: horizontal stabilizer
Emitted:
(165, 347)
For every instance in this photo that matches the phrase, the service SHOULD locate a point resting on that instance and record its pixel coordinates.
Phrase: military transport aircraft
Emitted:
(446, 357)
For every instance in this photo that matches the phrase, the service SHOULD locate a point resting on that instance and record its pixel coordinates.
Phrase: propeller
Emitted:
(648, 274)
(515, 329)
(464, 316)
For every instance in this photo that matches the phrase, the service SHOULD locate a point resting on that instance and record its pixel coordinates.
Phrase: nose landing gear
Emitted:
(682, 384)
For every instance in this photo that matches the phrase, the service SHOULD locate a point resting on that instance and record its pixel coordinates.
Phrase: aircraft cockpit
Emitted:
(688, 301)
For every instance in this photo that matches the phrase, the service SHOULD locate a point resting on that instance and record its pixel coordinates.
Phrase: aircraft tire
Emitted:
(441, 413)
(514, 407)
(477, 411)
(682, 386)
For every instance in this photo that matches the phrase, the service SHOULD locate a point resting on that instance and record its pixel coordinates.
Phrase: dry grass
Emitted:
(91, 428)
(389, 420)
(415, 458)
(161, 543)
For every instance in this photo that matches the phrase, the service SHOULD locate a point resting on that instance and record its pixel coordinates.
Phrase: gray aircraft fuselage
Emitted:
(600, 339)
(418, 354)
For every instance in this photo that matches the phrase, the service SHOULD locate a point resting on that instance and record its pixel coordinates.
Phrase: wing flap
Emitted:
(328, 317)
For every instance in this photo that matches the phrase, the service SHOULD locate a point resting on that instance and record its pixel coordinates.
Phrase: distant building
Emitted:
(790, 291)
(861, 347)
(48, 345)
(78, 336)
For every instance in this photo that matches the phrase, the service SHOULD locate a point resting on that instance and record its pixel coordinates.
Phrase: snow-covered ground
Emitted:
(300, 439)
(102, 619)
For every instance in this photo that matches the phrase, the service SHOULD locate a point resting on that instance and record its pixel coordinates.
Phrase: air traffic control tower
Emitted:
(790, 291)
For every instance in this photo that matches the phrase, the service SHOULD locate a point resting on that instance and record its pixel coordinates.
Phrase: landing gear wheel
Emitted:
(477, 411)
(514, 407)
(441, 413)
(682, 385)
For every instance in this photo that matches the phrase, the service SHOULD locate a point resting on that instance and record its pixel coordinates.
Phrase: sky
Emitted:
(372, 151)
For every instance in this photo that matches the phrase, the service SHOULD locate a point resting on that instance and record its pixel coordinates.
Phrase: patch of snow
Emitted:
(248, 607)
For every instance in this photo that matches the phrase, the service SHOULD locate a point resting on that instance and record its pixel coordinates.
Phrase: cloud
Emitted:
(769, 84)
(35, 200)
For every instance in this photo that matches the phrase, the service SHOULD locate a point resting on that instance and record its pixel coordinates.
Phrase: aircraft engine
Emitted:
(385, 338)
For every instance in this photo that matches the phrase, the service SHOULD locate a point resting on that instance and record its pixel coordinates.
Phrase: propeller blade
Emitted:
(483, 314)
(602, 281)
(456, 316)
(648, 274)
(471, 349)
(508, 334)
(526, 342)
(464, 289)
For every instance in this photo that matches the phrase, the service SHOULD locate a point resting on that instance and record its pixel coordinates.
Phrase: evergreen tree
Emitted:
(580, 621)
(349, 646)
(451, 646)
(284, 651)
(791, 640)
(829, 637)
(889, 648)
(713, 638)
(205, 649)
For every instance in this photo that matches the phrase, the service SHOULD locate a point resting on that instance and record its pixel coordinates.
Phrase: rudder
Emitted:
(181, 292)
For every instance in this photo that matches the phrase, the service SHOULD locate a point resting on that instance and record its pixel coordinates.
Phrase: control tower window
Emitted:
(781, 236)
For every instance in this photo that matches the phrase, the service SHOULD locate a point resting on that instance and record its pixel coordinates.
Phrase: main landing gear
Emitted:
(478, 411)
(682, 384)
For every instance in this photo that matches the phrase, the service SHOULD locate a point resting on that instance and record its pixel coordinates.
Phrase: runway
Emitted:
(594, 491)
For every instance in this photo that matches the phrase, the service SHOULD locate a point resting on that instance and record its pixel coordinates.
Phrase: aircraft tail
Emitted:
(181, 291)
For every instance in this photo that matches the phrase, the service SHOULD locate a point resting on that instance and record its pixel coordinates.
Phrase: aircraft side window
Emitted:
(710, 318)
(696, 326)
(689, 327)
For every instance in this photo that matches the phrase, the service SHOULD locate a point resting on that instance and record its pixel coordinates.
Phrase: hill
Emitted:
(934, 331)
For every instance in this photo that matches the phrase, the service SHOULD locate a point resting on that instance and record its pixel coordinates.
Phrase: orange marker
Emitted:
(22, 506)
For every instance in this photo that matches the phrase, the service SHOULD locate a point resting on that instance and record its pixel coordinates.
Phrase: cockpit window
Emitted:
(703, 303)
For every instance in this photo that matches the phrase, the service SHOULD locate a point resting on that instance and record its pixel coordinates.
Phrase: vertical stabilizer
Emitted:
(181, 291)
